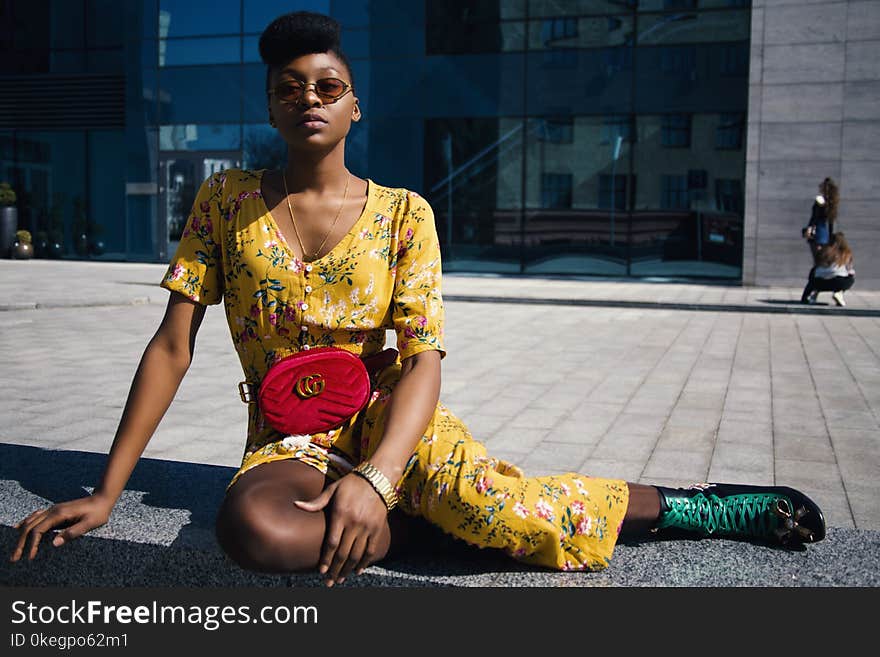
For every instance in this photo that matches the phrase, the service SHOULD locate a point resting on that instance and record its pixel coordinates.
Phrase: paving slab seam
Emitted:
(825, 422)
(668, 305)
(851, 375)
(635, 390)
(87, 304)
(565, 417)
(717, 429)
(678, 398)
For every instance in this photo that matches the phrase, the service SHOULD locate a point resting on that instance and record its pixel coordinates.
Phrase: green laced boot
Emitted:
(776, 514)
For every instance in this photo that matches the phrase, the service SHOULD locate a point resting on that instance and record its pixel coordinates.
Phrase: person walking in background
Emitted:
(833, 271)
(822, 217)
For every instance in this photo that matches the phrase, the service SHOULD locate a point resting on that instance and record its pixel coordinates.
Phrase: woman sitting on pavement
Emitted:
(334, 500)
(833, 272)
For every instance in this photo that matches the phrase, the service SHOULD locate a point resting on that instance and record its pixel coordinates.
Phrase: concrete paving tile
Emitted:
(695, 418)
(563, 400)
(860, 466)
(851, 419)
(756, 416)
(702, 440)
(596, 411)
(836, 508)
(744, 433)
(638, 424)
(625, 447)
(808, 475)
(579, 432)
(724, 476)
(814, 428)
(612, 469)
(517, 440)
(743, 457)
(854, 440)
(865, 510)
(483, 426)
(676, 482)
(669, 463)
(797, 446)
(532, 418)
(202, 451)
(701, 400)
(505, 405)
(554, 458)
(505, 453)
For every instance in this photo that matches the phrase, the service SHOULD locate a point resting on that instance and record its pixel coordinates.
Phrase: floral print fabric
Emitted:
(385, 274)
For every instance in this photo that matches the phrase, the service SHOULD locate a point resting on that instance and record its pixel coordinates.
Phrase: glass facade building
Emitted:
(567, 137)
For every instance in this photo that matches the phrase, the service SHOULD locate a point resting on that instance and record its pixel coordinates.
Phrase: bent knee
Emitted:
(267, 538)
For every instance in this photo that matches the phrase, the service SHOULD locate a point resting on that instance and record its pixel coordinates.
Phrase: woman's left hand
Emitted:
(356, 520)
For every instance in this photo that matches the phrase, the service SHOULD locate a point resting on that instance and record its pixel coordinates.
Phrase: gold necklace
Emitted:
(298, 238)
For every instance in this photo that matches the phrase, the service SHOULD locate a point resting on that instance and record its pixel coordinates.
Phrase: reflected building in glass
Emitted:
(568, 137)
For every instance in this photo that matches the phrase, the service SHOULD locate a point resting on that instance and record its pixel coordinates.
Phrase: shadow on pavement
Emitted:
(161, 532)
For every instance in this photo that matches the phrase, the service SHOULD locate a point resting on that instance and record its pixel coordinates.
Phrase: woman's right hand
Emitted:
(76, 517)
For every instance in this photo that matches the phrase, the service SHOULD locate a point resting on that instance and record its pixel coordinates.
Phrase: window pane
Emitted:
(194, 17)
(473, 178)
(264, 148)
(181, 52)
(67, 24)
(105, 23)
(541, 8)
(686, 199)
(580, 32)
(193, 137)
(259, 13)
(204, 94)
(107, 189)
(571, 224)
(694, 27)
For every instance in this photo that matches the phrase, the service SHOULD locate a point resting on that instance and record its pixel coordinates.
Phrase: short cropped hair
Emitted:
(300, 33)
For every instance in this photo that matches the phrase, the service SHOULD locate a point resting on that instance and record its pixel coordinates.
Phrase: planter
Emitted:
(8, 226)
(22, 251)
(55, 250)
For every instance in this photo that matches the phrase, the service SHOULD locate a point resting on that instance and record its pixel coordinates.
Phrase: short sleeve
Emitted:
(417, 301)
(196, 270)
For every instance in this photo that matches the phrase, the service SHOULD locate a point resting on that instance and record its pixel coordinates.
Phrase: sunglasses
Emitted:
(329, 90)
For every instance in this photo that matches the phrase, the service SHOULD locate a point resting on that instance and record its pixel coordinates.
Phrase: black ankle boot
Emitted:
(777, 514)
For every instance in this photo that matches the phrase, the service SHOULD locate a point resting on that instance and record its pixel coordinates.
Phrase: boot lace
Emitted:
(750, 514)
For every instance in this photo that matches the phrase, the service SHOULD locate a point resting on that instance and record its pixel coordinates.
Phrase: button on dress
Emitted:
(384, 275)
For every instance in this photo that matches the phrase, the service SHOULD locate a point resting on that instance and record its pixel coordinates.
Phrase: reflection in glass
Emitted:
(181, 52)
(259, 13)
(199, 94)
(192, 137)
(195, 17)
(264, 148)
(694, 27)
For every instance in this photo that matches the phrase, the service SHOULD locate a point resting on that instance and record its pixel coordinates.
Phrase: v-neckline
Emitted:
(345, 238)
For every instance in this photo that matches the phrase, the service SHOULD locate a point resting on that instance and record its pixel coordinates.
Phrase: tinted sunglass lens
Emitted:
(288, 92)
(330, 87)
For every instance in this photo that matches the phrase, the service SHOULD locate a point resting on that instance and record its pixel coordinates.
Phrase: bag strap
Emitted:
(248, 390)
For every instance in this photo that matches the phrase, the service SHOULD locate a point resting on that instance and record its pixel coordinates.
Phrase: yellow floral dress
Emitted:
(385, 274)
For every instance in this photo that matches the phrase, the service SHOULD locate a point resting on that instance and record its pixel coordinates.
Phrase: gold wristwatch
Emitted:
(378, 481)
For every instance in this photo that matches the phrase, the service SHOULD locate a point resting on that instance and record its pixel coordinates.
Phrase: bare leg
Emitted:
(261, 529)
(642, 511)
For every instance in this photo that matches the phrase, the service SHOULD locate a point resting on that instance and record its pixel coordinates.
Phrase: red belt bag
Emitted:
(316, 390)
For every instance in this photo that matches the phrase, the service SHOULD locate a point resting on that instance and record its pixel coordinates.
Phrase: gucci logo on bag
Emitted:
(310, 386)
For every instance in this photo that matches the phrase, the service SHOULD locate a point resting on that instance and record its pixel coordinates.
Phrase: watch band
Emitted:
(379, 482)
